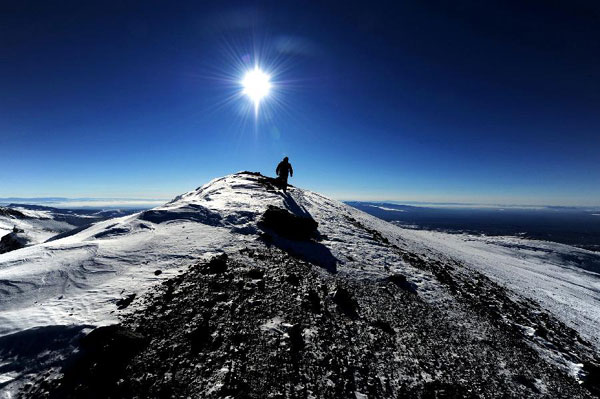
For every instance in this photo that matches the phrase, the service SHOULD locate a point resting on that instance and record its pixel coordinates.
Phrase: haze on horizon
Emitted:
(493, 102)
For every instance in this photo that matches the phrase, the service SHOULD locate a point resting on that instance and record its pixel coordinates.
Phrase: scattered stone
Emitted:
(526, 381)
(383, 326)
(256, 274)
(288, 225)
(124, 302)
(296, 338)
(400, 281)
(261, 343)
(592, 379)
(345, 302)
(200, 337)
(293, 279)
(220, 296)
(12, 241)
(313, 302)
(216, 265)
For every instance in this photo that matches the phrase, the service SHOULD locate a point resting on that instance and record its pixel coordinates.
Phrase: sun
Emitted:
(256, 85)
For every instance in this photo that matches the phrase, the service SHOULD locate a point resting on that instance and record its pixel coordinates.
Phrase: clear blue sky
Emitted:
(469, 101)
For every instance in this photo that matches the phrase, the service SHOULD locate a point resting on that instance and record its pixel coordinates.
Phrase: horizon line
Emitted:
(114, 201)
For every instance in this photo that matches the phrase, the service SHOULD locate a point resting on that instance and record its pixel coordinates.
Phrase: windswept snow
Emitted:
(546, 272)
(40, 223)
(77, 279)
(37, 227)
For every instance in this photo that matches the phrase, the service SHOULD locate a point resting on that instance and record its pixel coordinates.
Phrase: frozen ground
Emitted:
(40, 223)
(83, 279)
(77, 279)
(547, 272)
(38, 226)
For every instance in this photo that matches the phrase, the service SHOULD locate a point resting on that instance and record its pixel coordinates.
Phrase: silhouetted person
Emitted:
(283, 169)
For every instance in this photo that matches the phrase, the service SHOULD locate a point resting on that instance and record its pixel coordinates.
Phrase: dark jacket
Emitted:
(283, 169)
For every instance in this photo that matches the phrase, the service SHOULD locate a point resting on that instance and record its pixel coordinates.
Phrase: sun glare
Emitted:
(257, 85)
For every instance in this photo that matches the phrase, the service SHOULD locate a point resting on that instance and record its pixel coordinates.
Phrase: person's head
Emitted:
(285, 159)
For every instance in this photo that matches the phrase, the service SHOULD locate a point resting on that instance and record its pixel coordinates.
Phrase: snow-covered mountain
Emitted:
(35, 224)
(359, 275)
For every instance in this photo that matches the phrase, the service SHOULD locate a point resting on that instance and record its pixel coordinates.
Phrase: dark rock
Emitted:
(526, 381)
(436, 389)
(157, 272)
(124, 302)
(383, 326)
(345, 302)
(400, 281)
(221, 296)
(256, 274)
(296, 338)
(13, 213)
(200, 338)
(250, 173)
(542, 332)
(397, 279)
(288, 225)
(313, 302)
(216, 265)
(11, 241)
(293, 280)
(592, 379)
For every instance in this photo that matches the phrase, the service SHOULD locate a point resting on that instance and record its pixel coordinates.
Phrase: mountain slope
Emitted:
(37, 224)
(356, 291)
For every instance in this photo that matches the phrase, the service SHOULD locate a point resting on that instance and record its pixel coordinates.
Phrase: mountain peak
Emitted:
(285, 279)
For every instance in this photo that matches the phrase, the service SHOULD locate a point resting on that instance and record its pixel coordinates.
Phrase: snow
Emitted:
(76, 280)
(542, 271)
(92, 269)
(38, 229)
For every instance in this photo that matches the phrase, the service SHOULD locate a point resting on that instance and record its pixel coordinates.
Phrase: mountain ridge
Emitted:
(113, 269)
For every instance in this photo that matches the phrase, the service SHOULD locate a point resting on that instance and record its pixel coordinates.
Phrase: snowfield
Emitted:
(38, 225)
(546, 272)
(79, 280)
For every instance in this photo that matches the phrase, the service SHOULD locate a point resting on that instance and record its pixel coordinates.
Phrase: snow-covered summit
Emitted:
(77, 278)
(89, 277)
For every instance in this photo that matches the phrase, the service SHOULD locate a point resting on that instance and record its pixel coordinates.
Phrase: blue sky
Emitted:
(463, 102)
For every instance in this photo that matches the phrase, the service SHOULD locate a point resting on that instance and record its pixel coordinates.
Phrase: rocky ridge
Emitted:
(269, 321)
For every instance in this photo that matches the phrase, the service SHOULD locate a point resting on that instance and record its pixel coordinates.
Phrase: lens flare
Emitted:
(256, 85)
